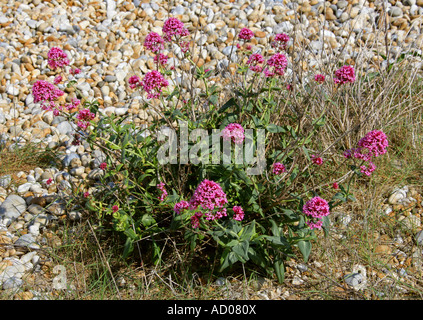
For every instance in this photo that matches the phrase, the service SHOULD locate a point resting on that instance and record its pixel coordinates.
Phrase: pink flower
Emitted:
(280, 41)
(316, 208)
(278, 168)
(238, 213)
(85, 114)
(195, 220)
(279, 62)
(115, 208)
(134, 82)
(344, 75)
(161, 59)
(161, 187)
(86, 194)
(180, 206)
(316, 160)
(153, 83)
(184, 45)
(375, 142)
(234, 132)
(75, 71)
(245, 34)
(209, 196)
(103, 166)
(49, 181)
(367, 170)
(57, 58)
(44, 91)
(174, 27)
(57, 79)
(254, 60)
(335, 185)
(315, 225)
(319, 78)
(154, 42)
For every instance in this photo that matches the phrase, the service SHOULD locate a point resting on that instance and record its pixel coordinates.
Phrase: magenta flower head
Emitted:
(254, 62)
(238, 213)
(154, 42)
(344, 75)
(209, 196)
(161, 187)
(161, 59)
(57, 58)
(57, 79)
(75, 71)
(115, 208)
(134, 81)
(245, 34)
(103, 166)
(280, 41)
(234, 132)
(45, 91)
(316, 160)
(278, 168)
(180, 206)
(375, 141)
(319, 78)
(316, 208)
(279, 62)
(174, 27)
(153, 83)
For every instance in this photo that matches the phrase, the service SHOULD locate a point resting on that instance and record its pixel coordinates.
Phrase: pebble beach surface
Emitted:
(105, 40)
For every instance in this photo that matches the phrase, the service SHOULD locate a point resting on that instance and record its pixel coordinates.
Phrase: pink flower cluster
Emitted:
(161, 59)
(84, 116)
(174, 27)
(316, 160)
(316, 208)
(279, 62)
(153, 83)
(238, 213)
(207, 198)
(344, 75)
(161, 187)
(57, 58)
(319, 78)
(373, 144)
(154, 42)
(280, 41)
(245, 34)
(134, 82)
(180, 206)
(75, 71)
(278, 168)
(46, 93)
(234, 132)
(254, 62)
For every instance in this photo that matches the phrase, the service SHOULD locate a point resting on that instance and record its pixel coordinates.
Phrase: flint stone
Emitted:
(12, 207)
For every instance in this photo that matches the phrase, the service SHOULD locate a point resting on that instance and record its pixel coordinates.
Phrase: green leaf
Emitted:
(305, 248)
(241, 249)
(128, 248)
(230, 103)
(147, 220)
(273, 128)
(280, 270)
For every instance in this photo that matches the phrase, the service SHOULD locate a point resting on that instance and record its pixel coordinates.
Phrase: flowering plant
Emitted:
(260, 204)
